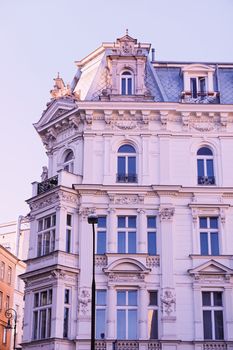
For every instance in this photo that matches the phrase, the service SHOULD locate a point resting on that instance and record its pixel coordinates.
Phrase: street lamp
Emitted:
(11, 314)
(93, 219)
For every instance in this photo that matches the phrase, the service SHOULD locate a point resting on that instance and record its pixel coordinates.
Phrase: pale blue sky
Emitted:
(38, 38)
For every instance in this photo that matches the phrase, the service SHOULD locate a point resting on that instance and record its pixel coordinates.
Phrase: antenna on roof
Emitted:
(127, 32)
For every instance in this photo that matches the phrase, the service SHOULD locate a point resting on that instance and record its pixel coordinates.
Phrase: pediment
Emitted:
(126, 266)
(197, 67)
(211, 267)
(126, 38)
(55, 110)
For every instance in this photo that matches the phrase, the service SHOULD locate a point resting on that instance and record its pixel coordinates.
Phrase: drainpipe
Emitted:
(20, 218)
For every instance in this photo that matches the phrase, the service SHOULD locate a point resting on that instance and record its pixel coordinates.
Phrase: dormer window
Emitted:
(126, 83)
(68, 163)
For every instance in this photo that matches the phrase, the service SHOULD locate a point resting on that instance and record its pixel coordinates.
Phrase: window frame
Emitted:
(126, 83)
(101, 307)
(125, 176)
(213, 309)
(101, 230)
(127, 307)
(209, 231)
(206, 178)
(68, 165)
(153, 308)
(68, 241)
(151, 230)
(66, 315)
(127, 230)
(38, 313)
(46, 236)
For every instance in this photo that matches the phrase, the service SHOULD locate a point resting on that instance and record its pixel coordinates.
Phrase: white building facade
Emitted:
(146, 146)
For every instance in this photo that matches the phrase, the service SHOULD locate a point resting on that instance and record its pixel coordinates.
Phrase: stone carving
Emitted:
(84, 299)
(203, 126)
(101, 261)
(118, 277)
(60, 89)
(152, 261)
(44, 175)
(214, 346)
(44, 202)
(126, 199)
(57, 274)
(166, 213)
(126, 125)
(67, 197)
(168, 302)
(200, 99)
(85, 211)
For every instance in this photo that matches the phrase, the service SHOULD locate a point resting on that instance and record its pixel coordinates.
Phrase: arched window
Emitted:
(205, 166)
(126, 83)
(126, 164)
(68, 163)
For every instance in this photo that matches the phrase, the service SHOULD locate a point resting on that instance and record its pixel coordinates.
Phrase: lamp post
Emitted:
(93, 219)
(11, 314)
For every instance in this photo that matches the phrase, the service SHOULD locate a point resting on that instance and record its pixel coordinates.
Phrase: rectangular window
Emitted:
(1, 300)
(212, 306)
(151, 235)
(7, 302)
(2, 270)
(42, 314)
(9, 274)
(153, 315)
(66, 313)
(68, 232)
(101, 235)
(127, 314)
(100, 313)
(46, 235)
(127, 234)
(209, 242)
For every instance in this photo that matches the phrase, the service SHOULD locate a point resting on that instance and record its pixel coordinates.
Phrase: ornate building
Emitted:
(146, 146)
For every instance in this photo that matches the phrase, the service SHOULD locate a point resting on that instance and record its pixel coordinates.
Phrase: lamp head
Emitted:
(92, 219)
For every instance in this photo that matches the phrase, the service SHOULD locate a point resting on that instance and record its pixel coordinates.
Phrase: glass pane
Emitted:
(204, 243)
(207, 324)
(69, 156)
(68, 220)
(203, 222)
(210, 167)
(40, 225)
(54, 220)
(39, 245)
(68, 240)
(123, 86)
(132, 324)
(65, 324)
(121, 165)
(121, 324)
(132, 297)
(35, 324)
(153, 298)
(129, 86)
(52, 240)
(49, 323)
(206, 298)
(101, 242)
(50, 296)
(218, 320)
(46, 242)
(121, 242)
(217, 298)
(126, 149)
(42, 324)
(100, 323)
(43, 298)
(101, 221)
(202, 85)
(204, 151)
(47, 222)
(101, 297)
(151, 221)
(193, 83)
(132, 242)
(200, 167)
(131, 165)
(121, 297)
(214, 222)
(121, 221)
(152, 243)
(67, 296)
(132, 221)
(153, 324)
(214, 243)
(36, 300)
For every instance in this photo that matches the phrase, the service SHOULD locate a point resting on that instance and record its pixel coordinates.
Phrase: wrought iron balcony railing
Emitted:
(47, 185)
(127, 178)
(206, 180)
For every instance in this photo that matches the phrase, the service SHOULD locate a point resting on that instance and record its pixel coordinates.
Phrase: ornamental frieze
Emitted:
(44, 202)
(129, 199)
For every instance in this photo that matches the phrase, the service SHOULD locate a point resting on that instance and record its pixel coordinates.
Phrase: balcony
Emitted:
(206, 180)
(127, 178)
(200, 97)
(47, 185)
(127, 345)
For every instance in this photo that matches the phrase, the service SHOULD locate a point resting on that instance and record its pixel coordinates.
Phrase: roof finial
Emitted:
(58, 75)
(127, 32)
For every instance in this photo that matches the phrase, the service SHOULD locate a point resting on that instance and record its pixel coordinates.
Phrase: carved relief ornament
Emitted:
(84, 299)
(166, 213)
(168, 302)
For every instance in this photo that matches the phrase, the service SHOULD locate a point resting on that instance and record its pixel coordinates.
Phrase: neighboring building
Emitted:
(8, 264)
(147, 146)
(14, 236)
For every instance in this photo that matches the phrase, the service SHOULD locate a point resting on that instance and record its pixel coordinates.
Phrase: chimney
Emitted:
(153, 54)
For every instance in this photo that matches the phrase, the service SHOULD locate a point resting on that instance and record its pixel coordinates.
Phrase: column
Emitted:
(111, 313)
(164, 161)
(145, 159)
(197, 310)
(142, 239)
(168, 297)
(57, 308)
(107, 157)
(143, 298)
(112, 230)
(228, 297)
(88, 153)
